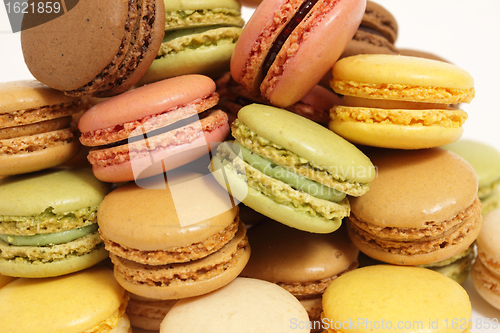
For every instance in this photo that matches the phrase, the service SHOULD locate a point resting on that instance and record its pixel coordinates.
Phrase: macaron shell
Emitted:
(394, 135)
(245, 305)
(162, 160)
(146, 101)
(53, 268)
(38, 160)
(188, 5)
(401, 197)
(29, 94)
(64, 190)
(412, 71)
(487, 241)
(286, 255)
(96, 48)
(316, 47)
(486, 283)
(4, 280)
(155, 211)
(377, 293)
(379, 18)
(75, 302)
(308, 140)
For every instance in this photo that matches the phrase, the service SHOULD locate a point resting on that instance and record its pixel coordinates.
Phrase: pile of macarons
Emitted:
(173, 168)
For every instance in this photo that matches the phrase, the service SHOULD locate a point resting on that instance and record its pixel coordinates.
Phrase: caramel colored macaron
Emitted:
(35, 127)
(175, 239)
(147, 313)
(400, 102)
(302, 263)
(486, 269)
(99, 48)
(386, 298)
(421, 208)
(86, 301)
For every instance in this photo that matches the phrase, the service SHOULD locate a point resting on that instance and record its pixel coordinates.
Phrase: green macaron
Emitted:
(486, 162)
(48, 222)
(199, 39)
(291, 169)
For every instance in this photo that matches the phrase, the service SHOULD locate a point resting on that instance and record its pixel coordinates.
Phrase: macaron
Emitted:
(86, 301)
(200, 37)
(302, 263)
(485, 271)
(48, 223)
(147, 313)
(245, 305)
(376, 34)
(291, 169)
(457, 267)
(286, 47)
(174, 239)
(401, 102)
(4, 280)
(485, 160)
(153, 129)
(35, 127)
(422, 207)
(395, 299)
(315, 105)
(97, 48)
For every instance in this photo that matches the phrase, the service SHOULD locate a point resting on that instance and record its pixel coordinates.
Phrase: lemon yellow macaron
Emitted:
(87, 301)
(401, 102)
(395, 299)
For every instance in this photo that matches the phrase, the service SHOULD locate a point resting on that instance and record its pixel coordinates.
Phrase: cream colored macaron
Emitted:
(395, 299)
(486, 270)
(245, 306)
(86, 301)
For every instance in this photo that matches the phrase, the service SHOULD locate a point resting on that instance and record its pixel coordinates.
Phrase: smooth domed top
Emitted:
(29, 94)
(418, 300)
(64, 190)
(398, 69)
(187, 209)
(151, 99)
(288, 255)
(413, 187)
(71, 303)
(308, 140)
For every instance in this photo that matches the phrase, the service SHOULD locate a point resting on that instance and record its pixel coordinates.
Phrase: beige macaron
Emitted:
(173, 239)
(245, 306)
(302, 263)
(147, 313)
(486, 269)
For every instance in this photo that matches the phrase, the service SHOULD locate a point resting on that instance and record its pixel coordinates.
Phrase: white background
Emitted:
(464, 32)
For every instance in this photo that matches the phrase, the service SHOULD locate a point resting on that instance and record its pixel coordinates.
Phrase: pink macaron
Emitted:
(288, 45)
(153, 129)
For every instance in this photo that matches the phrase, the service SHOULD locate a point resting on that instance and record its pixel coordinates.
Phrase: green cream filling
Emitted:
(189, 18)
(194, 38)
(294, 180)
(47, 221)
(49, 239)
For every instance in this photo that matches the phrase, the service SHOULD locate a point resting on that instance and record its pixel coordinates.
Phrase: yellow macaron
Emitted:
(395, 299)
(86, 301)
(400, 102)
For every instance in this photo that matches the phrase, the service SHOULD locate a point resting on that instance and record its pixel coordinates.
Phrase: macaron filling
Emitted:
(294, 180)
(51, 238)
(202, 17)
(299, 16)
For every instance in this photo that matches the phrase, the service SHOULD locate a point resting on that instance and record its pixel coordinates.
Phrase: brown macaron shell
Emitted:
(302, 263)
(35, 127)
(99, 48)
(421, 208)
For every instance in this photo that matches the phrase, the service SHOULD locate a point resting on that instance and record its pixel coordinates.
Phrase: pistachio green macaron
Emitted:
(48, 222)
(485, 160)
(200, 37)
(291, 169)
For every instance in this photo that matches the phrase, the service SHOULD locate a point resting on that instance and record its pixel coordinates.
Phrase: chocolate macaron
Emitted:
(99, 48)
(174, 239)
